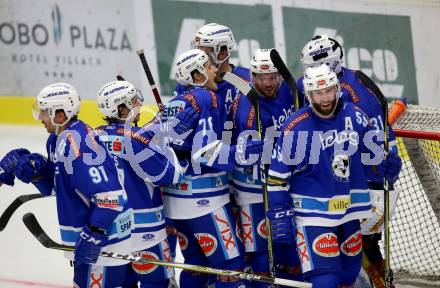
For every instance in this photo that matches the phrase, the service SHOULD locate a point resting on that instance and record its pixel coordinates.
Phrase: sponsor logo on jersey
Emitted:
(251, 117)
(191, 99)
(261, 229)
(351, 91)
(335, 137)
(142, 267)
(171, 109)
(283, 117)
(73, 144)
(108, 201)
(203, 203)
(353, 245)
(207, 242)
(295, 121)
(148, 237)
(183, 241)
(338, 204)
(326, 245)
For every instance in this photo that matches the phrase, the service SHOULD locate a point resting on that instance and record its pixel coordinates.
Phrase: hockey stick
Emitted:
(150, 79)
(285, 73)
(6, 216)
(383, 102)
(35, 228)
(252, 95)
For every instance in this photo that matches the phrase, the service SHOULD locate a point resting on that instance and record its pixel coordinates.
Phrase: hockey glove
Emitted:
(89, 245)
(282, 221)
(8, 164)
(31, 167)
(389, 168)
(393, 167)
(185, 120)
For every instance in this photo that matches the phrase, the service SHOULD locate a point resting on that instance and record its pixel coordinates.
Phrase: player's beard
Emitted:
(327, 112)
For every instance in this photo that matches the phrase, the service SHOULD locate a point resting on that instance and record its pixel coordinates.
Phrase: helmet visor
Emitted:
(38, 113)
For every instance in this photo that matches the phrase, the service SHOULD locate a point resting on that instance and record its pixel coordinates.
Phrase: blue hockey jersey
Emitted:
(354, 91)
(143, 194)
(226, 91)
(326, 186)
(205, 187)
(85, 181)
(273, 112)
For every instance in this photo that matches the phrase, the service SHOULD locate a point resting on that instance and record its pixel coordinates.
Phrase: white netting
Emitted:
(415, 228)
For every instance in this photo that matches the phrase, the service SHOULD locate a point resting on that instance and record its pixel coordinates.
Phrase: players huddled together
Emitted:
(281, 185)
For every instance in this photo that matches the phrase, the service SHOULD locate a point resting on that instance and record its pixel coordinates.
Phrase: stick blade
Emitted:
(241, 85)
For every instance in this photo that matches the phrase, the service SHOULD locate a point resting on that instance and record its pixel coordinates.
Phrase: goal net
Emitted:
(415, 228)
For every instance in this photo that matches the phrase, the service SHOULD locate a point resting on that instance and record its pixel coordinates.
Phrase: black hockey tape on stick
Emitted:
(287, 76)
(35, 228)
(150, 78)
(6, 216)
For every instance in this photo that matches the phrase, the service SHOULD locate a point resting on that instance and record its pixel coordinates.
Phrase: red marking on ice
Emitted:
(32, 283)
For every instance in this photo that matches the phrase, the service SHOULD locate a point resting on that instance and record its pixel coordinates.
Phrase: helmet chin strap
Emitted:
(217, 62)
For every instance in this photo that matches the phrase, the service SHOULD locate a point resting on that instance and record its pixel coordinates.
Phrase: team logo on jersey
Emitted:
(183, 241)
(353, 245)
(207, 242)
(340, 166)
(142, 267)
(326, 245)
(203, 203)
(333, 137)
(261, 229)
(148, 237)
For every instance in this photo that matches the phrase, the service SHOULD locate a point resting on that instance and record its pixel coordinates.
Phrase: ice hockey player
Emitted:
(217, 41)
(324, 50)
(199, 205)
(116, 100)
(276, 104)
(323, 188)
(93, 210)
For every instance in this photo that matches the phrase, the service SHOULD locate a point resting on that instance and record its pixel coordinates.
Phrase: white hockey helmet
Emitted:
(321, 77)
(216, 36)
(115, 93)
(57, 96)
(188, 62)
(261, 62)
(322, 50)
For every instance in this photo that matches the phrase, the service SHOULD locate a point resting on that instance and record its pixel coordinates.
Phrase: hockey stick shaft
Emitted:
(10, 210)
(35, 228)
(384, 104)
(252, 95)
(285, 73)
(150, 79)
